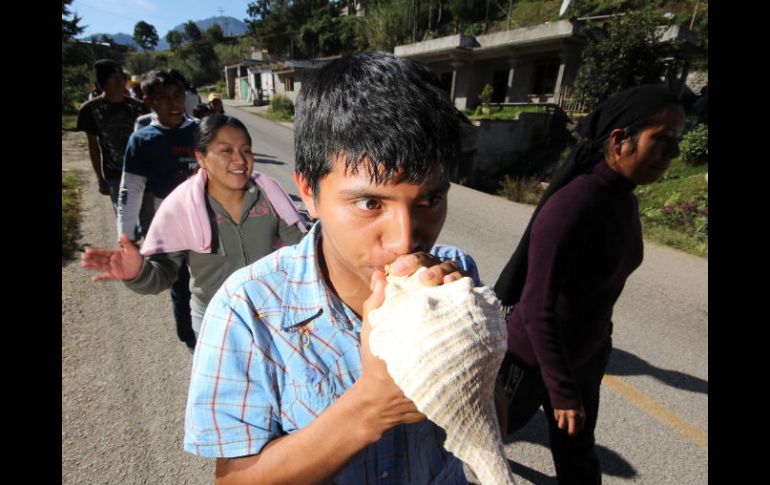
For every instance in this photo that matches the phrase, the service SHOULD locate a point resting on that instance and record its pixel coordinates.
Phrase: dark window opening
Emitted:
(499, 86)
(545, 78)
(446, 81)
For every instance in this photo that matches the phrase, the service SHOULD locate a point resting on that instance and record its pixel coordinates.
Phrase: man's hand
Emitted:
(385, 405)
(572, 420)
(437, 273)
(103, 187)
(115, 264)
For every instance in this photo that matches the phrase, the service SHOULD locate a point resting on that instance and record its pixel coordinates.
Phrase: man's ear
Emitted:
(306, 192)
(148, 102)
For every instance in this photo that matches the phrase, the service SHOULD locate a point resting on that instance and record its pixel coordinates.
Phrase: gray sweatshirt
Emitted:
(234, 245)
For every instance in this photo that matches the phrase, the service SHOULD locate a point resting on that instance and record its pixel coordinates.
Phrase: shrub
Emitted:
(695, 146)
(525, 190)
(486, 94)
(282, 104)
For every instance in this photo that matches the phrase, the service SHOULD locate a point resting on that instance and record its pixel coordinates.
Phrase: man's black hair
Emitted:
(154, 80)
(387, 112)
(103, 69)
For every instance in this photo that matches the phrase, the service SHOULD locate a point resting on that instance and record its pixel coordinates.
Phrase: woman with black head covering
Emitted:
(560, 285)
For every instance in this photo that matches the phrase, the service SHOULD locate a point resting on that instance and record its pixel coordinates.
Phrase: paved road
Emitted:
(124, 376)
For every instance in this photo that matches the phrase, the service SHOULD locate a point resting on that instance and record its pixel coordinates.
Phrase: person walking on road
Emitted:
(244, 215)
(582, 243)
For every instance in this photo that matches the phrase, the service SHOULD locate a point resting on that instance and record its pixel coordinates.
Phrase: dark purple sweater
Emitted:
(585, 242)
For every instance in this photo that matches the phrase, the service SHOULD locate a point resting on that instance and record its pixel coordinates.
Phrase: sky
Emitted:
(114, 16)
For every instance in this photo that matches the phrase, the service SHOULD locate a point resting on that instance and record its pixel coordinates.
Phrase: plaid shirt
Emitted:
(276, 349)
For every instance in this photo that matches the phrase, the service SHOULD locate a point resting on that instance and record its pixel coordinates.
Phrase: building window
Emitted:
(288, 84)
(545, 77)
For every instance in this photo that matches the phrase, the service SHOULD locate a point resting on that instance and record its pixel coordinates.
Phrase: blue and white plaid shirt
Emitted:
(275, 350)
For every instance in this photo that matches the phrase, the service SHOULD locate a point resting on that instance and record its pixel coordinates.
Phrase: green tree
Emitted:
(69, 27)
(270, 26)
(145, 35)
(215, 34)
(138, 62)
(174, 39)
(388, 23)
(320, 36)
(192, 32)
(626, 52)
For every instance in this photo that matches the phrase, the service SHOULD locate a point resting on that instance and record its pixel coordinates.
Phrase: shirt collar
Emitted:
(306, 296)
(612, 179)
(187, 121)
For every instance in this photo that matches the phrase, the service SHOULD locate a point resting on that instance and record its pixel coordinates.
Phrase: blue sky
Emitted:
(113, 16)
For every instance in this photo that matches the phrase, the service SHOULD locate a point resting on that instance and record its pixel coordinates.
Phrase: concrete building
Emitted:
(536, 64)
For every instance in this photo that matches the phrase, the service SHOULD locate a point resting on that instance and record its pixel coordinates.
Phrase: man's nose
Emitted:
(399, 235)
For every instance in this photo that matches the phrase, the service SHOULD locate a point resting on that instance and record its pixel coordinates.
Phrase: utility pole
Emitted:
(509, 14)
(221, 12)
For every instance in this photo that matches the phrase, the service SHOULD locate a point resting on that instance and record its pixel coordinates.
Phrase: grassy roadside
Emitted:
(70, 213)
(674, 211)
(68, 122)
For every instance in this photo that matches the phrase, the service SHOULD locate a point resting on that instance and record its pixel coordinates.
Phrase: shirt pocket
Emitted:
(313, 387)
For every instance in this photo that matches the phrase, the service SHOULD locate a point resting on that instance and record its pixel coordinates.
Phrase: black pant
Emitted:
(574, 456)
(180, 300)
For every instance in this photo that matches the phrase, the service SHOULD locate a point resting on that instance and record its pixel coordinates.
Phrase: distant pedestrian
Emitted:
(201, 111)
(215, 103)
(108, 120)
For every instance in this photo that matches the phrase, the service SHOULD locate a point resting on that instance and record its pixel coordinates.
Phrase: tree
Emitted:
(215, 34)
(145, 35)
(626, 52)
(174, 39)
(69, 27)
(192, 32)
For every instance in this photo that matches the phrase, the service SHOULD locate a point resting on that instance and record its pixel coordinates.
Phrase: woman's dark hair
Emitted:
(210, 126)
(387, 112)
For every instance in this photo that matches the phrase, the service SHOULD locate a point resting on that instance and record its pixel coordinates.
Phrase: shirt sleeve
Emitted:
(130, 203)
(86, 121)
(158, 273)
(556, 242)
(232, 404)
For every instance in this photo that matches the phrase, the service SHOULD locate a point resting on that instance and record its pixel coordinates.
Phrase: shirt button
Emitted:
(384, 474)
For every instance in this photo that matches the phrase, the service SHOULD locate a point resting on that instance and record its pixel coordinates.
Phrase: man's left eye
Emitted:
(368, 204)
(431, 201)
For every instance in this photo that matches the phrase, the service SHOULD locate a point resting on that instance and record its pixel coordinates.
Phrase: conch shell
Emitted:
(443, 346)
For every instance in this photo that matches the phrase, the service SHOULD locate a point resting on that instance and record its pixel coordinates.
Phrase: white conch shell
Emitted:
(443, 346)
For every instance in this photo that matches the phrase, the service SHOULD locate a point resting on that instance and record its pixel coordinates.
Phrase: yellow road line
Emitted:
(658, 411)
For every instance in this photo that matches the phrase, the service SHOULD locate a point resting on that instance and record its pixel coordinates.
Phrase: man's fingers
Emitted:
(378, 293)
(409, 263)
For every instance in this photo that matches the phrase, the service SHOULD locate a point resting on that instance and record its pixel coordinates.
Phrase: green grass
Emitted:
(279, 115)
(70, 213)
(506, 113)
(663, 205)
(68, 122)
